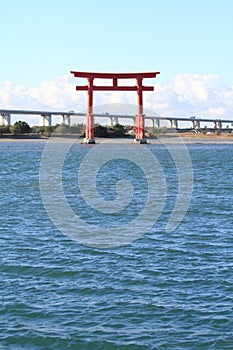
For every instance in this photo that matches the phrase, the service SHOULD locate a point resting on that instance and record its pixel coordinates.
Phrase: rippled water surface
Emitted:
(163, 291)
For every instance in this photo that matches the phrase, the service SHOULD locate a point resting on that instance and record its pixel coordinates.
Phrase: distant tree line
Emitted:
(22, 128)
(117, 130)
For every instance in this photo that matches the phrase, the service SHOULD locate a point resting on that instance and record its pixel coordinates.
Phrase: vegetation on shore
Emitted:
(21, 128)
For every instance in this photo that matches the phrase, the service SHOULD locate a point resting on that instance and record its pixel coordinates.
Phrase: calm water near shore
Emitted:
(163, 291)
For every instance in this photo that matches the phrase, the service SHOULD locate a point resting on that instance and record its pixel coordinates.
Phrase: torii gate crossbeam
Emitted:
(139, 87)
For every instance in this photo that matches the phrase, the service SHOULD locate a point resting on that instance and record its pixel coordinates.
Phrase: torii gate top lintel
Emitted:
(90, 76)
(114, 75)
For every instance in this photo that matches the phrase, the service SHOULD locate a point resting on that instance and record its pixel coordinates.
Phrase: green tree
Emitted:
(118, 130)
(100, 131)
(4, 129)
(62, 129)
(48, 130)
(38, 129)
(77, 129)
(20, 128)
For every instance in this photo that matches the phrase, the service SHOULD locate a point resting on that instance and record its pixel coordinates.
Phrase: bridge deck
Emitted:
(108, 115)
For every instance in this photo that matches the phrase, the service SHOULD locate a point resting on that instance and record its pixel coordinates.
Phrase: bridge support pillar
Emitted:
(157, 122)
(65, 119)
(46, 120)
(173, 123)
(195, 124)
(114, 120)
(219, 124)
(5, 119)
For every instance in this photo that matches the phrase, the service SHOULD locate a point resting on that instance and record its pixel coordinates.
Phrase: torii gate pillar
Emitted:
(90, 87)
(90, 120)
(140, 118)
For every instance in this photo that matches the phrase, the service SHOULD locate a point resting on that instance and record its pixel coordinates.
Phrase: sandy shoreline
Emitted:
(176, 139)
(11, 139)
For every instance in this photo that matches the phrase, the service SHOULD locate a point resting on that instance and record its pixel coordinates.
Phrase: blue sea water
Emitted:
(162, 291)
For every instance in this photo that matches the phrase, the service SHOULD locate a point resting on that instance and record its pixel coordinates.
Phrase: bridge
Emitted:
(45, 118)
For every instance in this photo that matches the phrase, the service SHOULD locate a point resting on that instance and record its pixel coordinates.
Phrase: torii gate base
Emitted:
(89, 141)
(90, 87)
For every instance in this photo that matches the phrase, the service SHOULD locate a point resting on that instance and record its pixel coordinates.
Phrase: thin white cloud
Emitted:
(207, 96)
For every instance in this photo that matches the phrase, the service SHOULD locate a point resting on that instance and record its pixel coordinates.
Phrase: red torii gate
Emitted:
(90, 87)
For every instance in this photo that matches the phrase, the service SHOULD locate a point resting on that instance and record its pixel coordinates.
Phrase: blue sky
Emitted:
(43, 39)
(189, 42)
